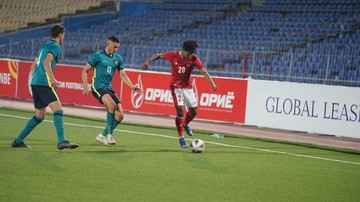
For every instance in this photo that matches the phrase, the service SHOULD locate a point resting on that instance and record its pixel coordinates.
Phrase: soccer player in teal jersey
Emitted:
(43, 86)
(105, 63)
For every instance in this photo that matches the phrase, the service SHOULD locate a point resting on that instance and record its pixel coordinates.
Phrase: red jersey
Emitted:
(181, 68)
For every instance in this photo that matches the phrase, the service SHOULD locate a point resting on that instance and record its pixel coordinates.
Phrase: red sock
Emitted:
(188, 118)
(179, 125)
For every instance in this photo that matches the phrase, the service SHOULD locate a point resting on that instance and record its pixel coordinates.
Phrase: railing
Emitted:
(303, 65)
(286, 66)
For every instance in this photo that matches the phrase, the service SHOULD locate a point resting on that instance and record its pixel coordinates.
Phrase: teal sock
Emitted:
(116, 123)
(59, 125)
(110, 122)
(105, 131)
(32, 123)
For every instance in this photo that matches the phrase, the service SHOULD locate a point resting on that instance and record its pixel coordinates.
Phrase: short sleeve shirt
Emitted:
(40, 76)
(181, 68)
(104, 68)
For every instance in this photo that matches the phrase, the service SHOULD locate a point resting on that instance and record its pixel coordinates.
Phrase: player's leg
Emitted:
(179, 105)
(179, 121)
(31, 124)
(40, 110)
(110, 118)
(51, 98)
(102, 95)
(191, 102)
(190, 115)
(58, 119)
(118, 117)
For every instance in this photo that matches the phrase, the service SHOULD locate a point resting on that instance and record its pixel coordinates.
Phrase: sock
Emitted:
(32, 123)
(59, 125)
(105, 131)
(110, 122)
(179, 126)
(116, 123)
(189, 117)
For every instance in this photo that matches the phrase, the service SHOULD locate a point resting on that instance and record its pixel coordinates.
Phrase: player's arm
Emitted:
(84, 78)
(208, 78)
(145, 64)
(33, 66)
(47, 65)
(127, 81)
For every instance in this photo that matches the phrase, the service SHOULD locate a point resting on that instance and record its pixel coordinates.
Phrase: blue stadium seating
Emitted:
(295, 40)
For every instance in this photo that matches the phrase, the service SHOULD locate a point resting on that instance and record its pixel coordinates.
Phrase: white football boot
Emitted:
(101, 139)
(110, 139)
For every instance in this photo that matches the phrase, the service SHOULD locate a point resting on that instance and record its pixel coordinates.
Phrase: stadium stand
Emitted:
(310, 41)
(18, 14)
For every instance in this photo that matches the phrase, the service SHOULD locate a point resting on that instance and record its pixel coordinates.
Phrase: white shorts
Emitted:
(184, 97)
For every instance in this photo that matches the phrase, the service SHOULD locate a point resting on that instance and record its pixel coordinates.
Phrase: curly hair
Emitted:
(190, 46)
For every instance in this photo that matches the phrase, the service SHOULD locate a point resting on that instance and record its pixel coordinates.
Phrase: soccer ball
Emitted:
(197, 146)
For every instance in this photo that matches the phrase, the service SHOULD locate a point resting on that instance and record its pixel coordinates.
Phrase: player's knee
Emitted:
(193, 113)
(111, 107)
(39, 119)
(40, 113)
(119, 117)
(179, 114)
(59, 112)
(40, 116)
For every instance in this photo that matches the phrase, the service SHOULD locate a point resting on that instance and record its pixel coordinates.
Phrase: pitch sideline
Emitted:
(209, 142)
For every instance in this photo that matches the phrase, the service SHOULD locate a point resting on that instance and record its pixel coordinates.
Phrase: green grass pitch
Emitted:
(147, 164)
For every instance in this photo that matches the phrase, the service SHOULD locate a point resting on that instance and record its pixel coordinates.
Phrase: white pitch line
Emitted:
(214, 143)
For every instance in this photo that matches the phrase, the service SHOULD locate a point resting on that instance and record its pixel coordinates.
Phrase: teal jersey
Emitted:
(40, 76)
(104, 68)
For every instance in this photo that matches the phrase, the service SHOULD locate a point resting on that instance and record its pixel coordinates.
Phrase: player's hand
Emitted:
(138, 90)
(145, 65)
(54, 83)
(86, 90)
(214, 87)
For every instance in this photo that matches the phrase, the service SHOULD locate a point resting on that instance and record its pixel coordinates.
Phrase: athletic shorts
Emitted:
(43, 96)
(100, 92)
(184, 97)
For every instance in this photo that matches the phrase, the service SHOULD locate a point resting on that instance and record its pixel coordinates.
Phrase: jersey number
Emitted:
(38, 61)
(181, 69)
(109, 69)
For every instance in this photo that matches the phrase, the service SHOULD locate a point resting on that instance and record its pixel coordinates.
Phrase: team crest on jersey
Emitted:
(188, 65)
(116, 62)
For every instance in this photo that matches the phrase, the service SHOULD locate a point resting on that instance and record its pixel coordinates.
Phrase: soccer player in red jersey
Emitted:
(182, 65)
